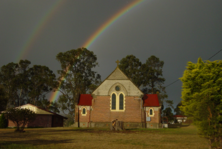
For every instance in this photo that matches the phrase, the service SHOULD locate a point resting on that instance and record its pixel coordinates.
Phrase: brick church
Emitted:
(118, 98)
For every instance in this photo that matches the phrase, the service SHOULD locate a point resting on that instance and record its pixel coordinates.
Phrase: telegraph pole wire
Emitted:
(208, 59)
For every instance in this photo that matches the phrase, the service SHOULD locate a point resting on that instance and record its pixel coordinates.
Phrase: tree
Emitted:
(42, 82)
(177, 109)
(3, 121)
(170, 103)
(7, 81)
(153, 70)
(131, 66)
(168, 113)
(201, 98)
(23, 84)
(20, 117)
(76, 76)
(3, 99)
(47, 105)
(146, 75)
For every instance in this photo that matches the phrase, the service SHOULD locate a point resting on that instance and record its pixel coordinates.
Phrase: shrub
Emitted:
(20, 117)
(3, 121)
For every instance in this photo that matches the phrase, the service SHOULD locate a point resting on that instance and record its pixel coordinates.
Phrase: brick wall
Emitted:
(155, 118)
(101, 110)
(57, 121)
(84, 118)
(40, 121)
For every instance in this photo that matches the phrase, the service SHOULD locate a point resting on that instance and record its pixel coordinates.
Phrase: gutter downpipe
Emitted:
(89, 115)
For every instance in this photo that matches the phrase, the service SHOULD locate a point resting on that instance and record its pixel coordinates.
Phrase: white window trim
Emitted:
(82, 111)
(148, 112)
(117, 102)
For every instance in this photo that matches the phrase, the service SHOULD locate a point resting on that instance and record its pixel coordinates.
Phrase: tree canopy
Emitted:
(201, 98)
(153, 72)
(177, 109)
(24, 84)
(3, 99)
(131, 66)
(76, 76)
(146, 76)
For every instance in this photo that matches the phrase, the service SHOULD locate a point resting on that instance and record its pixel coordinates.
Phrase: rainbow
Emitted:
(39, 28)
(109, 22)
(99, 31)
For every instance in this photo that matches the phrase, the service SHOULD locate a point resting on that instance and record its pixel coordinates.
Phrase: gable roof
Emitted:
(85, 100)
(150, 100)
(45, 111)
(117, 74)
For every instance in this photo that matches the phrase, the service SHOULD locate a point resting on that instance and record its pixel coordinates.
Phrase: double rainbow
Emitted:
(40, 26)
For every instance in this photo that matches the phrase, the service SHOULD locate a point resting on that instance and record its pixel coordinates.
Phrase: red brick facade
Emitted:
(155, 118)
(101, 110)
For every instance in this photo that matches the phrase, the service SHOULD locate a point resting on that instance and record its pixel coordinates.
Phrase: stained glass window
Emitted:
(117, 88)
(113, 101)
(151, 111)
(121, 101)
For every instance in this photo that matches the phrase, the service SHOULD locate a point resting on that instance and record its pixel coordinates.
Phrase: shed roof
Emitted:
(85, 100)
(150, 100)
(46, 110)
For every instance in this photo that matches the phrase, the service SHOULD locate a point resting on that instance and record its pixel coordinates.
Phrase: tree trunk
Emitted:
(17, 127)
(220, 138)
(209, 143)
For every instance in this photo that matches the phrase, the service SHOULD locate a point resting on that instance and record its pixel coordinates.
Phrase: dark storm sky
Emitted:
(173, 30)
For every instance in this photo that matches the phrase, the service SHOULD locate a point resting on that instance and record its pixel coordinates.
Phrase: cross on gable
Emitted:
(117, 63)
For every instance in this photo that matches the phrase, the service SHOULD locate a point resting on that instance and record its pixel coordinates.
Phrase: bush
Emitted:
(3, 121)
(20, 117)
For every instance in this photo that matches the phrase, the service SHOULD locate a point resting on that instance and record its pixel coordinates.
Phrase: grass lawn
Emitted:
(88, 138)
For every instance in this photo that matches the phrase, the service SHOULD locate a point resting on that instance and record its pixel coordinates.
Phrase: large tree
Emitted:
(7, 81)
(201, 98)
(153, 73)
(24, 84)
(177, 109)
(131, 66)
(168, 113)
(3, 99)
(147, 76)
(76, 76)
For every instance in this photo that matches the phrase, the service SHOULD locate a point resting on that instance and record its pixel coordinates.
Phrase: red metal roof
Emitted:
(85, 100)
(150, 100)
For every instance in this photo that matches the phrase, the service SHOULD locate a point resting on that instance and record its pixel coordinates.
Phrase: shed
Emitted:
(44, 118)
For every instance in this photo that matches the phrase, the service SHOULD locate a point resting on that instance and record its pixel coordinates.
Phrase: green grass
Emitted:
(56, 138)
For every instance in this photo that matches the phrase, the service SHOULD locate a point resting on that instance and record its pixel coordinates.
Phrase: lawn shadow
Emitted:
(34, 142)
(185, 125)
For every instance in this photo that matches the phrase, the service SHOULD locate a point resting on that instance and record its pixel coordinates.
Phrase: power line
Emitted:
(172, 83)
(215, 54)
(208, 59)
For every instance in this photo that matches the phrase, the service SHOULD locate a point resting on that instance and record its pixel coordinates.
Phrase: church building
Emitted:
(118, 98)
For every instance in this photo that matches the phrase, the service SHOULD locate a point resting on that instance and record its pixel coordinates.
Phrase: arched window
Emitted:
(84, 111)
(113, 101)
(121, 101)
(151, 111)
